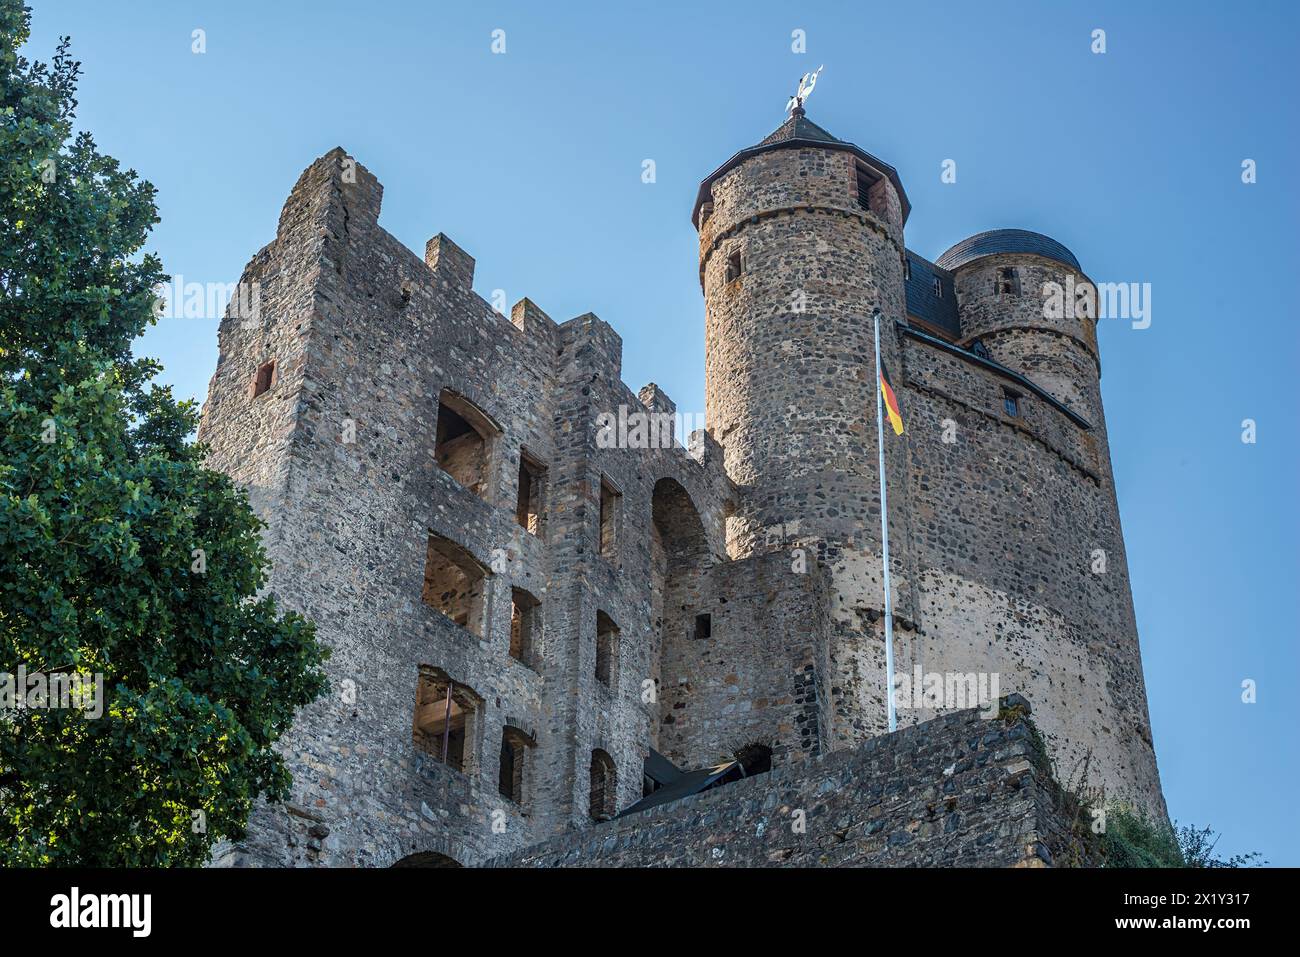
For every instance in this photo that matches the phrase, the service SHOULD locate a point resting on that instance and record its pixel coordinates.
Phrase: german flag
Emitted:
(891, 401)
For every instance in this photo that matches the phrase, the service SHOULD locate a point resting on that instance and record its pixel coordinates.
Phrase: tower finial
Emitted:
(806, 84)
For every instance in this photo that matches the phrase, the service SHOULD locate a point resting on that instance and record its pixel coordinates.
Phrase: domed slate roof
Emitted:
(998, 241)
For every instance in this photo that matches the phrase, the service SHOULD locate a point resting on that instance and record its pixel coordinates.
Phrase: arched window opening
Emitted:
(603, 786)
(464, 441)
(454, 583)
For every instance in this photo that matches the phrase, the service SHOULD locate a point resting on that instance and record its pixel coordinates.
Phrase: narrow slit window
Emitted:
(938, 287)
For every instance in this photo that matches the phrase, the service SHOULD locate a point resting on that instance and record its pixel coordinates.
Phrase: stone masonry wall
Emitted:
(758, 678)
(339, 458)
(957, 791)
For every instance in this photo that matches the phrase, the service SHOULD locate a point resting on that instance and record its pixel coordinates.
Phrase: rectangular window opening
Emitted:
(510, 777)
(532, 486)
(444, 713)
(525, 627)
(703, 626)
(264, 379)
(735, 266)
(1011, 403)
(610, 499)
(606, 650)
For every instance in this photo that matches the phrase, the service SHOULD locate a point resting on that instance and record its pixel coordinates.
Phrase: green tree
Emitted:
(120, 554)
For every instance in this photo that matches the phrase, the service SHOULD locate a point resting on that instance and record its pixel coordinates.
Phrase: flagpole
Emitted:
(884, 534)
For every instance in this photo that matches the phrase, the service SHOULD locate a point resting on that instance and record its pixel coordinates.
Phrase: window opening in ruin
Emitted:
(606, 649)
(264, 379)
(464, 442)
(603, 786)
(610, 499)
(532, 483)
(510, 779)
(1008, 281)
(444, 711)
(525, 626)
(454, 583)
(704, 626)
(755, 758)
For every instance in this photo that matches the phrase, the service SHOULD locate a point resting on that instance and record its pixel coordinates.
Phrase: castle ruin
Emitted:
(535, 628)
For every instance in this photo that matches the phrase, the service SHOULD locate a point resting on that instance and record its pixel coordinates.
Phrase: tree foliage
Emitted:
(120, 554)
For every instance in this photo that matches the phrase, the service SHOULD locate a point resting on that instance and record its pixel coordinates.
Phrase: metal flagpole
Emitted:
(884, 534)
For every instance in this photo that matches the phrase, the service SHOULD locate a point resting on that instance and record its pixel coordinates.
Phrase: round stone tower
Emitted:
(1017, 294)
(801, 237)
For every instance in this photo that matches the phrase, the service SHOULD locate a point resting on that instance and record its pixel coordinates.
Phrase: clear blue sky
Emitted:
(532, 162)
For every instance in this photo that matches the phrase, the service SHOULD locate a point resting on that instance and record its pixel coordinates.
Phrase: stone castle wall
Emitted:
(957, 791)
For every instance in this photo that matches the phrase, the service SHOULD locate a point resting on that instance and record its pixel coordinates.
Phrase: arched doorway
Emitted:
(682, 609)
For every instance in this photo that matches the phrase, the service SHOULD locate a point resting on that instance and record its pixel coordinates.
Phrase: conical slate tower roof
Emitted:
(799, 127)
(798, 131)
